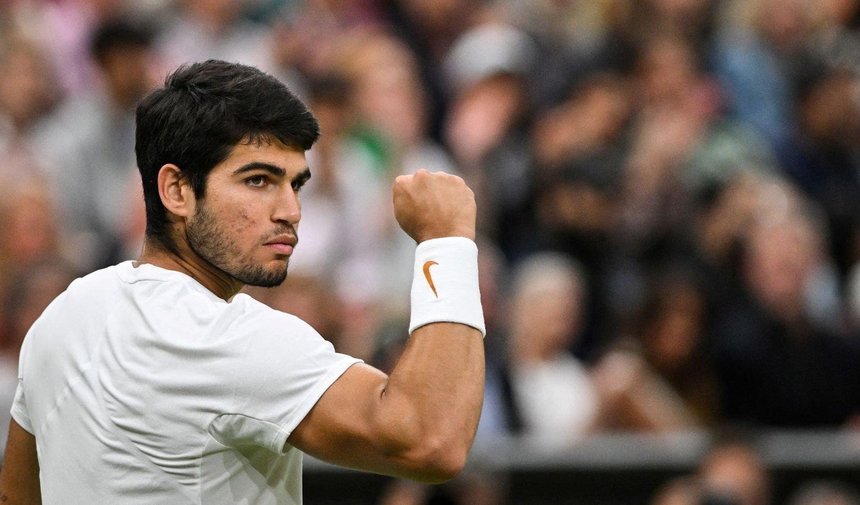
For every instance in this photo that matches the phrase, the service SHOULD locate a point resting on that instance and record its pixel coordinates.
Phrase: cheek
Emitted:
(244, 221)
(237, 226)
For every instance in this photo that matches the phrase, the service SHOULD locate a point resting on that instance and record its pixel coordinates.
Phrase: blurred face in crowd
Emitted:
(546, 314)
(830, 113)
(481, 115)
(780, 259)
(736, 472)
(28, 223)
(246, 224)
(25, 84)
(674, 335)
(591, 119)
(127, 70)
(785, 23)
(722, 226)
(216, 13)
(667, 70)
(387, 90)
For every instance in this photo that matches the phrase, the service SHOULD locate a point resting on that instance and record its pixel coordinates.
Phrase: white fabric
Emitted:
(557, 399)
(445, 284)
(141, 387)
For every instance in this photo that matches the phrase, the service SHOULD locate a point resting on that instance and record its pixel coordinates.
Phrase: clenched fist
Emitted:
(434, 205)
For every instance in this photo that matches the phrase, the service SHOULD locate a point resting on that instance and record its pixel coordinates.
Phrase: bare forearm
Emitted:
(19, 479)
(440, 380)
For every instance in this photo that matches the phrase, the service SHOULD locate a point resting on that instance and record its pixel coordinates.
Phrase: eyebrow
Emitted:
(301, 178)
(258, 165)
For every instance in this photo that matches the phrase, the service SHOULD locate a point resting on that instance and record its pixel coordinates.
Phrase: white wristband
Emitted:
(445, 284)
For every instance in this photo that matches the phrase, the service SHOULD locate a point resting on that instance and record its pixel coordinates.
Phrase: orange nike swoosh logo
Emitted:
(427, 265)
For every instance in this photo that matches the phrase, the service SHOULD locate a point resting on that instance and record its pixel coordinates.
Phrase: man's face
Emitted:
(246, 223)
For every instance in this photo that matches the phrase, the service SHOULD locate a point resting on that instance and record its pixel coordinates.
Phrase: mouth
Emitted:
(283, 244)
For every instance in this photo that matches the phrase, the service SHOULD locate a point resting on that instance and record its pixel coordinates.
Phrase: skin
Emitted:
(418, 422)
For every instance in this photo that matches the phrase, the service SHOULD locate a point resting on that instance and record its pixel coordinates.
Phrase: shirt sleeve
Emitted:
(19, 409)
(285, 367)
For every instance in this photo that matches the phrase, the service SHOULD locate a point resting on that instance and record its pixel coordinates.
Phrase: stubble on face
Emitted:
(209, 240)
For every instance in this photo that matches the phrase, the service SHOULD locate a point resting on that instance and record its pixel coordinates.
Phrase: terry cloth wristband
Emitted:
(445, 284)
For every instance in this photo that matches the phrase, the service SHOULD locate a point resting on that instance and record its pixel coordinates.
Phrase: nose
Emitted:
(289, 208)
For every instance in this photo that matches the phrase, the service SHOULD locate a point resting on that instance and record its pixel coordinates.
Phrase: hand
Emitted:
(434, 205)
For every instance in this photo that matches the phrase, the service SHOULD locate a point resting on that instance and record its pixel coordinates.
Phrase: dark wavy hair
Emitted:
(200, 114)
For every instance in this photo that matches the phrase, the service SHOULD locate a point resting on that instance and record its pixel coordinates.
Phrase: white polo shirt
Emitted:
(143, 387)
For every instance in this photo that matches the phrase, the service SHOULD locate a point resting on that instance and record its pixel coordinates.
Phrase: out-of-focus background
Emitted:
(669, 195)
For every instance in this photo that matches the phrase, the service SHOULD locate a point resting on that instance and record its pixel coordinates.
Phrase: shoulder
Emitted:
(252, 316)
(86, 289)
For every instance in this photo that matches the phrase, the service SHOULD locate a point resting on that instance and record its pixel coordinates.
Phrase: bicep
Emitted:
(19, 480)
(344, 427)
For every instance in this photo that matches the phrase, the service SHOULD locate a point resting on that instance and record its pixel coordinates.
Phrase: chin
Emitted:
(263, 277)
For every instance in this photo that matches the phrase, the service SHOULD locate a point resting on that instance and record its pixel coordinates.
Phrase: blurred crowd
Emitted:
(668, 190)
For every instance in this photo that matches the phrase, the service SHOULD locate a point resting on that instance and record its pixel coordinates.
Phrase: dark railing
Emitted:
(617, 469)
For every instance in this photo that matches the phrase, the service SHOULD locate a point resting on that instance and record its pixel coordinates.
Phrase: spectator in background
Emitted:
(680, 142)
(731, 472)
(197, 30)
(71, 25)
(759, 58)
(779, 361)
(28, 94)
(29, 228)
(390, 103)
(486, 128)
(656, 377)
(90, 144)
(553, 391)
(821, 156)
(430, 29)
(306, 37)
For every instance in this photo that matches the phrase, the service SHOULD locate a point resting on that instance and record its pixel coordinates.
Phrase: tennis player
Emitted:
(156, 382)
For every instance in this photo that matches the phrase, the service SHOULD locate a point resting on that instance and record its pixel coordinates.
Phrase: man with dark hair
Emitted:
(155, 381)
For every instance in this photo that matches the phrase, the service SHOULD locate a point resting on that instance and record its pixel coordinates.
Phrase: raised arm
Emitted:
(19, 480)
(420, 421)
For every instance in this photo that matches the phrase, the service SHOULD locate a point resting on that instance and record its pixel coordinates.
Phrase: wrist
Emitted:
(464, 232)
(445, 283)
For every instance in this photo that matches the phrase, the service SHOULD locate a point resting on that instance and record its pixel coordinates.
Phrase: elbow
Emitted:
(439, 461)
(429, 451)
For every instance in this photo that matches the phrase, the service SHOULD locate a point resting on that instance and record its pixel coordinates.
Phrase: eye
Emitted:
(258, 181)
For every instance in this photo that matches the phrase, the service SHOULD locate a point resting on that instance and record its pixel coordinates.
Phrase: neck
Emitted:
(185, 260)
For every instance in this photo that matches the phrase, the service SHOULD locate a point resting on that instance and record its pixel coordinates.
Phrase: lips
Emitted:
(283, 244)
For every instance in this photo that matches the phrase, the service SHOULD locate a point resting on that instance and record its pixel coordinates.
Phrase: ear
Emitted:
(175, 191)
